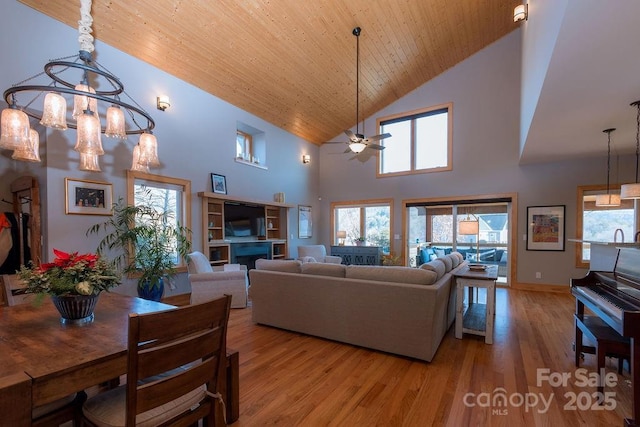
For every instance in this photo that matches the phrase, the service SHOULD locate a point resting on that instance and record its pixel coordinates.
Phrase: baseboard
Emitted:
(541, 288)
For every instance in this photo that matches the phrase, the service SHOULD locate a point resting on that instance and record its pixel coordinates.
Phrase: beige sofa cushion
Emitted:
(448, 264)
(391, 274)
(324, 269)
(286, 266)
(454, 260)
(435, 265)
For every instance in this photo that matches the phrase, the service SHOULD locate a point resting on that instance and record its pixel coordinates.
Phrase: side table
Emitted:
(474, 317)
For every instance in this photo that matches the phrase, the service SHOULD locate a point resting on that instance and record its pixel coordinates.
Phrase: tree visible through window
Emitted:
(371, 221)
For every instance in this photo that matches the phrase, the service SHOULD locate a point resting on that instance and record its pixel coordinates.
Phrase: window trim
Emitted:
(132, 176)
(362, 204)
(410, 115)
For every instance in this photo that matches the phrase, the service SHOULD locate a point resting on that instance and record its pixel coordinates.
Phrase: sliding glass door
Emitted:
(434, 229)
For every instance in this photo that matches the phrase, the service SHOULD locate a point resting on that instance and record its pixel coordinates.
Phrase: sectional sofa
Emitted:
(400, 310)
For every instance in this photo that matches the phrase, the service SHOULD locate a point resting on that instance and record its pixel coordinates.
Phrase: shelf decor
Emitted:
(545, 230)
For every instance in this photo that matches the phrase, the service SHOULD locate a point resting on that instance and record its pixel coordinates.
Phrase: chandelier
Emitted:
(93, 92)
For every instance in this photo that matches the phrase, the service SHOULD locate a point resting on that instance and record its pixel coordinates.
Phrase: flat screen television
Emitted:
(243, 220)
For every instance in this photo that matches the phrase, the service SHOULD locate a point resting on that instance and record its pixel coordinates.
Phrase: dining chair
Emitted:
(176, 359)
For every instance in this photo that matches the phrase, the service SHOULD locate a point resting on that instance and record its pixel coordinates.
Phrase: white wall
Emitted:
(196, 136)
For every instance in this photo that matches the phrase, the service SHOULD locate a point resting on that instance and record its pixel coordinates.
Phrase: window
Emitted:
(368, 219)
(168, 194)
(243, 145)
(433, 230)
(598, 224)
(420, 141)
(250, 145)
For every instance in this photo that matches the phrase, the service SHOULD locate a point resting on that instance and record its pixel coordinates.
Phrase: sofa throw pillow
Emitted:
(436, 266)
(324, 269)
(308, 259)
(286, 266)
(409, 275)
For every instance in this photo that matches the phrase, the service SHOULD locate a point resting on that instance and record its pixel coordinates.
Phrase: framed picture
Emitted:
(545, 228)
(218, 183)
(87, 197)
(305, 222)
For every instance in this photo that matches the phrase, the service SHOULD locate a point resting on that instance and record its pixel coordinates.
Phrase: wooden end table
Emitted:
(476, 318)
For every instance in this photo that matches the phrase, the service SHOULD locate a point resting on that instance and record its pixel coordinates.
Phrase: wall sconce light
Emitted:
(163, 102)
(341, 235)
(521, 13)
(306, 158)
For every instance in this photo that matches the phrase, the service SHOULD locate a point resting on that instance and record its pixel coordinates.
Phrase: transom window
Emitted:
(420, 141)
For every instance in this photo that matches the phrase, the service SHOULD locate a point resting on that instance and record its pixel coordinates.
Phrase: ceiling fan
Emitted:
(357, 141)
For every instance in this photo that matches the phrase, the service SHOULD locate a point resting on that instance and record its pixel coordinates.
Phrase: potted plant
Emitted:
(149, 243)
(360, 241)
(73, 281)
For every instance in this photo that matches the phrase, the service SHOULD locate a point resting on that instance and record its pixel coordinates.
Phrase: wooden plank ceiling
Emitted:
(293, 62)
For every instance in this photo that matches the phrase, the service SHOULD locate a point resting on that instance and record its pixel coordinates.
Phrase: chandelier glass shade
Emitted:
(30, 153)
(74, 83)
(632, 191)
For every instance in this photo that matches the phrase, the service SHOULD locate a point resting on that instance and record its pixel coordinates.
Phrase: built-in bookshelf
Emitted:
(216, 236)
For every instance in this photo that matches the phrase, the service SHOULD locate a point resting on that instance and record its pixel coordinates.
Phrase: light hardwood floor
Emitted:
(291, 379)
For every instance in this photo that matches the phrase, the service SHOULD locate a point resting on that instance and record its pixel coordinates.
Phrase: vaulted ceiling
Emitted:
(293, 62)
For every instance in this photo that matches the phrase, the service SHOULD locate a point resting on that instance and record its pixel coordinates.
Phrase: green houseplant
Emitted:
(148, 241)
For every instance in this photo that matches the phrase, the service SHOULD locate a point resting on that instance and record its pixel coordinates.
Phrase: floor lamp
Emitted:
(470, 227)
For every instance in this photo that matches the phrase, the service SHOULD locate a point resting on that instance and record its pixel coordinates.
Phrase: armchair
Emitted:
(209, 283)
(319, 253)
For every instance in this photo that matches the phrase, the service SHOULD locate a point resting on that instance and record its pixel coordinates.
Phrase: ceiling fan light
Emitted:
(357, 147)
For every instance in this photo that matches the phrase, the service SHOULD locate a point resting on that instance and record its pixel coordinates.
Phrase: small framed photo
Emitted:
(87, 197)
(218, 183)
(305, 222)
(545, 228)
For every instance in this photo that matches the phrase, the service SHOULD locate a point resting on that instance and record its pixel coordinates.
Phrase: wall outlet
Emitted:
(538, 275)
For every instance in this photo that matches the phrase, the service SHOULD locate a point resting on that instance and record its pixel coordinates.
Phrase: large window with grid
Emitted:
(367, 221)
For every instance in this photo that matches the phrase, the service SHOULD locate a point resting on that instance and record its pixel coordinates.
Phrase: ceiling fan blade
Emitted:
(375, 146)
(351, 135)
(379, 137)
(335, 142)
(348, 150)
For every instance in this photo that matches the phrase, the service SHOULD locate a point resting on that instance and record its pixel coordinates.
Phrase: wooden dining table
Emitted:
(53, 360)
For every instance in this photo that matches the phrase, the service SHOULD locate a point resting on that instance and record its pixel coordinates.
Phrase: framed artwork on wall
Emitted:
(218, 183)
(305, 222)
(545, 228)
(87, 197)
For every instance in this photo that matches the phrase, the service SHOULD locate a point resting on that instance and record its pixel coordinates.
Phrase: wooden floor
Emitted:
(290, 379)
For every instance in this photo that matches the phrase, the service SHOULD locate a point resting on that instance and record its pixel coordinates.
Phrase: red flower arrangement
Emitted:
(70, 274)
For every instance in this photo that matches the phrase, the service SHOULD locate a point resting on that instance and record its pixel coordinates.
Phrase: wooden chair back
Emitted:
(13, 289)
(174, 352)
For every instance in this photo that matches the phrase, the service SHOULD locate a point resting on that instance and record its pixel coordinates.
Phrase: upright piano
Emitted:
(614, 296)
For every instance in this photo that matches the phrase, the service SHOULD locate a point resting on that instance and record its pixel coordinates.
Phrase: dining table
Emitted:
(43, 359)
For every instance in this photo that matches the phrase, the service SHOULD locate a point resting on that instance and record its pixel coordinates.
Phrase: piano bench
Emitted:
(607, 341)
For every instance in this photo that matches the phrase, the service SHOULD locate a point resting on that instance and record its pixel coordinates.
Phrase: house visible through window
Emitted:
(420, 141)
